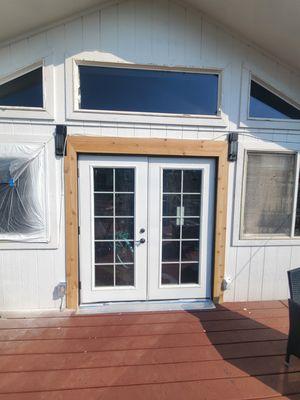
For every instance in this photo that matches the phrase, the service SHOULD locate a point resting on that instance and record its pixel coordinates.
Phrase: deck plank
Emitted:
(235, 352)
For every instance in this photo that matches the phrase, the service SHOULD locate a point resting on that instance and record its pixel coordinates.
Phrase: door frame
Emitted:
(147, 147)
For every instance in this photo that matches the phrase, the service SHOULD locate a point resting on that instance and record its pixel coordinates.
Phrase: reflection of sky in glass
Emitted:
(122, 89)
(265, 104)
(24, 91)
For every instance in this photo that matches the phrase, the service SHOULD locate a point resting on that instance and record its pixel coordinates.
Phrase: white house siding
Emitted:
(155, 32)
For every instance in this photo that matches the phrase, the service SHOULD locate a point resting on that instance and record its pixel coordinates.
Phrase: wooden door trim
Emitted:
(146, 147)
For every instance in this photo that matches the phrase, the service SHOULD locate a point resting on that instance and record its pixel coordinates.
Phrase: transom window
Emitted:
(23, 91)
(150, 91)
(270, 208)
(266, 104)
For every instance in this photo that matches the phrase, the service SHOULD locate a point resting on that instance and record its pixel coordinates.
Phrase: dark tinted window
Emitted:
(24, 91)
(124, 89)
(265, 104)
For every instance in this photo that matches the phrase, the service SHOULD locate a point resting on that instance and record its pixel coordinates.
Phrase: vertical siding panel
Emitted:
(29, 281)
(46, 283)
(109, 30)
(5, 61)
(143, 31)
(74, 36)
(231, 265)
(256, 273)
(193, 38)
(280, 290)
(160, 34)
(242, 273)
(56, 40)
(177, 25)
(126, 33)
(209, 43)
(91, 31)
(38, 46)
(20, 54)
(269, 276)
(11, 277)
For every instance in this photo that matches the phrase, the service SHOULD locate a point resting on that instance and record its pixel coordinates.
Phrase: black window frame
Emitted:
(209, 71)
(18, 74)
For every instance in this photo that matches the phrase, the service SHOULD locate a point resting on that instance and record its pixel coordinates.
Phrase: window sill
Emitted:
(266, 242)
(148, 118)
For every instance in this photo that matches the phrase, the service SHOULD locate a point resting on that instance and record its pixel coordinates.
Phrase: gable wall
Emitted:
(166, 33)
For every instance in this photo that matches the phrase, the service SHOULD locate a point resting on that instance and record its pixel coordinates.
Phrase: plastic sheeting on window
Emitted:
(22, 193)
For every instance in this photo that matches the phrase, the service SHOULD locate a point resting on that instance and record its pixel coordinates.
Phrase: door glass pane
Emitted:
(124, 252)
(124, 180)
(172, 181)
(104, 228)
(114, 226)
(104, 252)
(170, 274)
(103, 204)
(104, 275)
(124, 204)
(171, 204)
(170, 251)
(103, 179)
(171, 228)
(125, 228)
(191, 181)
(181, 216)
(189, 250)
(125, 275)
(190, 228)
(191, 204)
(189, 273)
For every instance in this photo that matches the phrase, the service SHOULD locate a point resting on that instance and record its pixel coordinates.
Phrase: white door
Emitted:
(180, 231)
(113, 228)
(146, 227)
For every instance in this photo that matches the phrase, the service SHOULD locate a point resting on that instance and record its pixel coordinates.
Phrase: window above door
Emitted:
(119, 92)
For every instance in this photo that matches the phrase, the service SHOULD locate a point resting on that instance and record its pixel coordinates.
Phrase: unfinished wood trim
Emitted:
(147, 147)
(71, 201)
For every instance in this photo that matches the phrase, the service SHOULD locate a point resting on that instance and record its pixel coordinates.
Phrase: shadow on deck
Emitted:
(233, 352)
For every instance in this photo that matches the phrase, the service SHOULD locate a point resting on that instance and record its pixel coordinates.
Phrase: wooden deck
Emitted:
(233, 352)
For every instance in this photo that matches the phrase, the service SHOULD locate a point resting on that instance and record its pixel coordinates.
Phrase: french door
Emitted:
(146, 227)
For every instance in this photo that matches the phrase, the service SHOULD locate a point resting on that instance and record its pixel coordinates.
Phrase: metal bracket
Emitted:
(232, 146)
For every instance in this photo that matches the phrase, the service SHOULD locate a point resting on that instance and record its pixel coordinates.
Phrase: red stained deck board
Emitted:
(138, 342)
(233, 352)
(32, 362)
(140, 375)
(133, 319)
(141, 329)
(226, 389)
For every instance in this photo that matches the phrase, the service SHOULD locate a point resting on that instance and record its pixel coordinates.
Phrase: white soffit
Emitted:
(18, 17)
(273, 25)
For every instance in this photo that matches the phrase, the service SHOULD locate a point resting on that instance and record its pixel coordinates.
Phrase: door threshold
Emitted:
(146, 306)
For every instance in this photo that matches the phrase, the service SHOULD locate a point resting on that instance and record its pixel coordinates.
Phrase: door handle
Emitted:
(141, 241)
